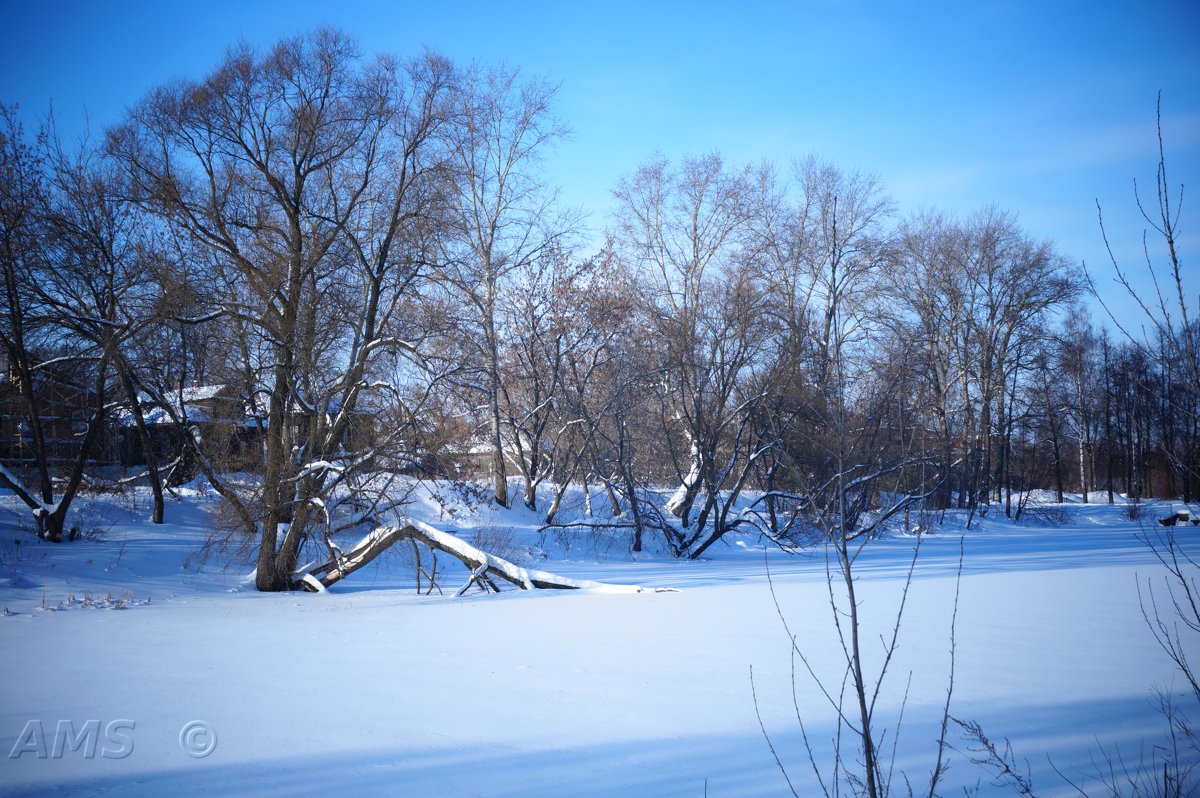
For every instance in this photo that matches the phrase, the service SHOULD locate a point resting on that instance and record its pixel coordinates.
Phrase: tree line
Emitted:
(365, 253)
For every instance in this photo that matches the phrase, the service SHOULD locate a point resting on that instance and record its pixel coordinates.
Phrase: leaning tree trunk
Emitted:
(51, 523)
(483, 566)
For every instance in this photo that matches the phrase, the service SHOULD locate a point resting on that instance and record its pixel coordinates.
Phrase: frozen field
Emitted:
(371, 689)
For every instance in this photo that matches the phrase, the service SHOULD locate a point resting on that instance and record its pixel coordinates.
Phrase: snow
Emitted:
(198, 393)
(371, 689)
(318, 467)
(153, 414)
(680, 494)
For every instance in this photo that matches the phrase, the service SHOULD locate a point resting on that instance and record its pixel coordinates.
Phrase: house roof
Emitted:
(192, 396)
(198, 393)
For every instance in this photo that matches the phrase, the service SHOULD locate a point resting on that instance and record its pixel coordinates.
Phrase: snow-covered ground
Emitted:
(371, 689)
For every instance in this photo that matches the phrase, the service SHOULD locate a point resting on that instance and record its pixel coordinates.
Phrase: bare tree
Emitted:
(503, 218)
(104, 289)
(872, 464)
(311, 181)
(930, 293)
(601, 319)
(1173, 318)
(24, 329)
(869, 768)
(1077, 356)
(987, 295)
(75, 293)
(687, 228)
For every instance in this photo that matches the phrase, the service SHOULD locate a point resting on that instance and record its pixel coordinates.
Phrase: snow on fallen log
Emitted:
(312, 583)
(482, 565)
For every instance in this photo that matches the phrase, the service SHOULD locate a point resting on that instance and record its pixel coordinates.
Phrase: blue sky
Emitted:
(1040, 108)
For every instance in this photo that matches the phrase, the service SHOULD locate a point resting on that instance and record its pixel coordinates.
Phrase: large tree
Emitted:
(687, 228)
(503, 219)
(311, 181)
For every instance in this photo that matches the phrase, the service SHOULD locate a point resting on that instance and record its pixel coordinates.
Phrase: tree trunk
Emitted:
(480, 563)
(499, 468)
(635, 509)
(1083, 481)
(556, 502)
(1058, 464)
(269, 577)
(139, 421)
(680, 503)
(55, 521)
(531, 493)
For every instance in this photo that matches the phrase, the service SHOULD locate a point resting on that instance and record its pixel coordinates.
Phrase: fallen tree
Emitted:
(484, 567)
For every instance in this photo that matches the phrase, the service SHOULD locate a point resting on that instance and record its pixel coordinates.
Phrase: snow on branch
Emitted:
(17, 485)
(483, 566)
(317, 467)
(207, 317)
(392, 341)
